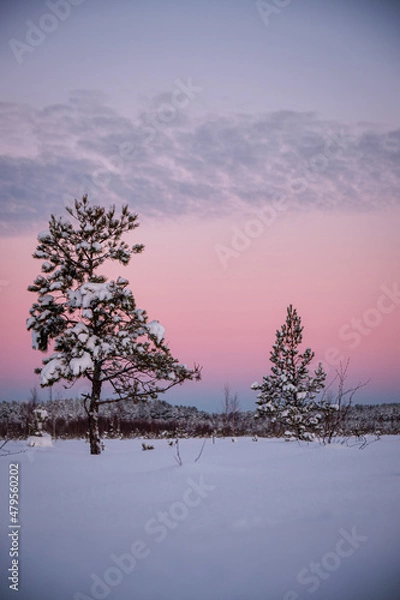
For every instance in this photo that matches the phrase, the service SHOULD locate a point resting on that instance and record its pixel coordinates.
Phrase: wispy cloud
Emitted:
(202, 165)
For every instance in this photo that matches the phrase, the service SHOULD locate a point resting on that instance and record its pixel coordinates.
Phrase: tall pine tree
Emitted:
(93, 325)
(287, 395)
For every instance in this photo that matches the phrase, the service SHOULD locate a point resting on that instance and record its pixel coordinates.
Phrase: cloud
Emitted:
(164, 163)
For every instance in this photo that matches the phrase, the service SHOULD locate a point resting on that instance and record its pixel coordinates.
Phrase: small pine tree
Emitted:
(287, 395)
(97, 331)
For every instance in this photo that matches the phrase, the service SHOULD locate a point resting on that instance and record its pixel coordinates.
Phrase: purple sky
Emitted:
(260, 151)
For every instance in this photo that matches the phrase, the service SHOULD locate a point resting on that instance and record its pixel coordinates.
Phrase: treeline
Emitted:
(67, 419)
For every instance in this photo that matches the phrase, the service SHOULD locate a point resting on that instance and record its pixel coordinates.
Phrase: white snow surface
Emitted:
(245, 522)
(40, 441)
(89, 292)
(55, 365)
(155, 328)
(35, 339)
(43, 236)
(81, 364)
(41, 413)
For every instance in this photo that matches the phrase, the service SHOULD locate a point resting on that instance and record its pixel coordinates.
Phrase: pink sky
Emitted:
(169, 113)
(330, 266)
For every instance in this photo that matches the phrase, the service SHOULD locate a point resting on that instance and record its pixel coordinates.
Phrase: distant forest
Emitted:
(68, 419)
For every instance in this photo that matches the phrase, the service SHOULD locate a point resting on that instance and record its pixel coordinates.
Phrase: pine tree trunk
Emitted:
(94, 434)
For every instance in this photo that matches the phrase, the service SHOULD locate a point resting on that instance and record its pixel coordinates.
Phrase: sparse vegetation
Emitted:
(159, 419)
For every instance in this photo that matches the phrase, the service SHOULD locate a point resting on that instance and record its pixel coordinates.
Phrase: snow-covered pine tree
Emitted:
(94, 325)
(287, 395)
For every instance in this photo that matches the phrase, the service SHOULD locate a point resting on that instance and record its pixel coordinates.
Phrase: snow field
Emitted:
(264, 520)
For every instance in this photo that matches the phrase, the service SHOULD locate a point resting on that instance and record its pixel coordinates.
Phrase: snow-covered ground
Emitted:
(264, 520)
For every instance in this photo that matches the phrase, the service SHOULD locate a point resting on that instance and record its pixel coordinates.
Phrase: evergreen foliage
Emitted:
(287, 395)
(96, 330)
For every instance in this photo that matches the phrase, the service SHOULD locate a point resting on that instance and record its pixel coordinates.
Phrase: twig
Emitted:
(178, 456)
(4, 443)
(8, 452)
(201, 451)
